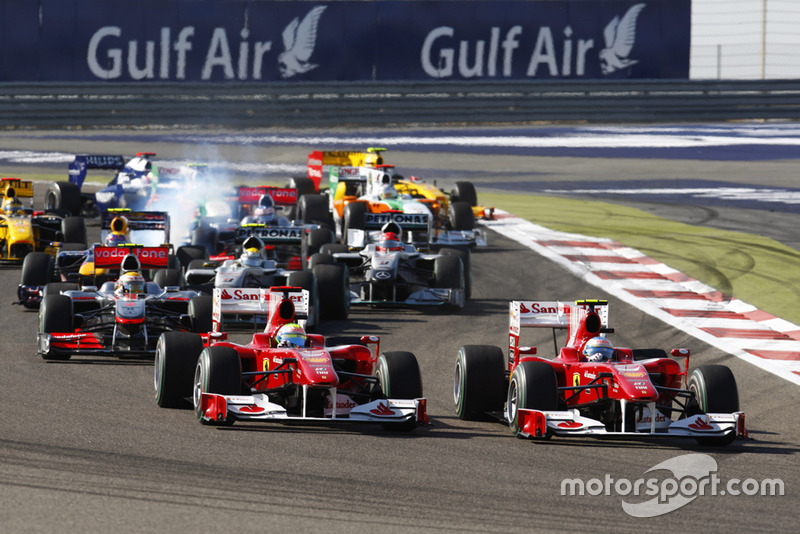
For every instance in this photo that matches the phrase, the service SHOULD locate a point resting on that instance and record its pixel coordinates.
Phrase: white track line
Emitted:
(701, 311)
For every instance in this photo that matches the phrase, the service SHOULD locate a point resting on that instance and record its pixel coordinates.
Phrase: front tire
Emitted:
(399, 378)
(218, 370)
(56, 316)
(532, 386)
(479, 381)
(175, 361)
(715, 391)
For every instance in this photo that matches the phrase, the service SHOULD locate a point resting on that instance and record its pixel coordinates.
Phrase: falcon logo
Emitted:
(382, 410)
(299, 40)
(620, 35)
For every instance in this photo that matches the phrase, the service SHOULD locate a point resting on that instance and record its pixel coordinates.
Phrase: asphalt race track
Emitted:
(85, 448)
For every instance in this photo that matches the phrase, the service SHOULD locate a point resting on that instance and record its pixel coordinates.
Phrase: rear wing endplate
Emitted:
(84, 162)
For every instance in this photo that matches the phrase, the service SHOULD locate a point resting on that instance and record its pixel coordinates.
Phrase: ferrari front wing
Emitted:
(539, 424)
(257, 407)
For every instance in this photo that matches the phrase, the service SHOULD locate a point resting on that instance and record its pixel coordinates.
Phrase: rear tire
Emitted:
(317, 238)
(479, 381)
(461, 216)
(218, 370)
(168, 277)
(37, 271)
(307, 281)
(200, 312)
(399, 378)
(353, 218)
(334, 291)
(175, 361)
(74, 230)
(464, 192)
(532, 386)
(64, 197)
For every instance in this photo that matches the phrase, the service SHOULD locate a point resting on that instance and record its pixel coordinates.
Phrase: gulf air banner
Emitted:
(265, 41)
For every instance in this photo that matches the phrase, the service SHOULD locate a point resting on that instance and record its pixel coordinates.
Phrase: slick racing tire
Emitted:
(63, 197)
(399, 378)
(313, 209)
(715, 391)
(37, 271)
(461, 216)
(479, 381)
(74, 230)
(187, 253)
(317, 238)
(532, 386)
(207, 237)
(175, 361)
(353, 218)
(218, 370)
(466, 259)
(168, 277)
(334, 291)
(56, 288)
(307, 281)
(303, 186)
(464, 192)
(56, 315)
(448, 273)
(200, 312)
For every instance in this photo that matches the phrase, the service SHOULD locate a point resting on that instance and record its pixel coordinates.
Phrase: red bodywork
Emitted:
(587, 383)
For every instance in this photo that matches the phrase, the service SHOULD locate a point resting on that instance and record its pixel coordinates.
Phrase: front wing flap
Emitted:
(538, 424)
(257, 407)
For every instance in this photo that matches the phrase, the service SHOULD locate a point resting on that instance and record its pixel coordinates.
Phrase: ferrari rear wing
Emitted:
(257, 301)
(553, 314)
(83, 162)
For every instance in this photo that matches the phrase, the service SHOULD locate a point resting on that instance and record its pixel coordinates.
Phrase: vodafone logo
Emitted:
(251, 409)
(317, 162)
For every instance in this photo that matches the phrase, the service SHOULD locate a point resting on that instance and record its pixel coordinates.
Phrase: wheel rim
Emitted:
(197, 388)
(157, 369)
(512, 401)
(457, 385)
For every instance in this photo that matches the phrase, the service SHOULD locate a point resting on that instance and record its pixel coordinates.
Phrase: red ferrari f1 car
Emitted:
(592, 388)
(284, 374)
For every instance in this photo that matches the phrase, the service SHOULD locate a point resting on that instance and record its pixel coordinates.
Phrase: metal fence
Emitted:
(374, 104)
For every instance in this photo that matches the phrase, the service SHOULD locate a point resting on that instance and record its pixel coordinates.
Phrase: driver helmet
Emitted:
(252, 257)
(265, 211)
(291, 335)
(130, 283)
(598, 349)
(388, 192)
(12, 205)
(390, 242)
(114, 238)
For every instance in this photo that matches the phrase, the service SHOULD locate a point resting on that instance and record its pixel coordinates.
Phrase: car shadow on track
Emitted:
(126, 362)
